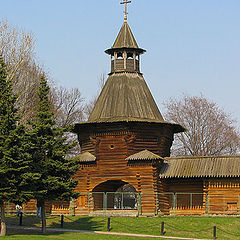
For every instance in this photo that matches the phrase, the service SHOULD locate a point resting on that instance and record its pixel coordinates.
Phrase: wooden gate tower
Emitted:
(125, 137)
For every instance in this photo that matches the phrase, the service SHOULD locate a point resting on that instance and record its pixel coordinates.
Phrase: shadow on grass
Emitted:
(12, 232)
(28, 220)
(81, 223)
(70, 222)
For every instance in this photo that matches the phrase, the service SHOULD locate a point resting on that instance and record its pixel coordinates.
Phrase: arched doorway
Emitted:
(115, 195)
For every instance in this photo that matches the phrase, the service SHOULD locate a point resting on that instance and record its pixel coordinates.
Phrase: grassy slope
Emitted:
(199, 227)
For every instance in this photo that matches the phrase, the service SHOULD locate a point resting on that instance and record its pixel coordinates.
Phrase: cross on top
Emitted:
(125, 12)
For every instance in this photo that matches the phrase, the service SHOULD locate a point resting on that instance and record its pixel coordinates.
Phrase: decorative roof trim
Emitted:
(137, 50)
(176, 127)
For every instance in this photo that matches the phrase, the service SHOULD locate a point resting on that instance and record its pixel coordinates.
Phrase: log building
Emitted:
(125, 153)
(125, 138)
(126, 143)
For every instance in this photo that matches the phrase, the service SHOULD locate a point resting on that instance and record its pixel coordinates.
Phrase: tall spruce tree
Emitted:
(48, 151)
(14, 159)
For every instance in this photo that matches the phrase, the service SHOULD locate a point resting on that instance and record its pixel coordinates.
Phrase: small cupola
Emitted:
(125, 53)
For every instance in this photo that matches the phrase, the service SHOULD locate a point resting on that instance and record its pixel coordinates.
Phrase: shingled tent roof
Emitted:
(144, 155)
(213, 166)
(125, 39)
(125, 97)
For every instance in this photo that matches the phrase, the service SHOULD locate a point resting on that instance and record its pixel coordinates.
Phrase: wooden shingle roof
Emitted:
(210, 166)
(125, 38)
(86, 157)
(125, 97)
(144, 155)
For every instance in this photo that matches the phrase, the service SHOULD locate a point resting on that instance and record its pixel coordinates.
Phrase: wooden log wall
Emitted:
(164, 198)
(192, 196)
(28, 208)
(209, 196)
(111, 148)
(223, 196)
(189, 196)
(153, 138)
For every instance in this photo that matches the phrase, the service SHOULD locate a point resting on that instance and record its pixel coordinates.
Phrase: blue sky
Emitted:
(193, 46)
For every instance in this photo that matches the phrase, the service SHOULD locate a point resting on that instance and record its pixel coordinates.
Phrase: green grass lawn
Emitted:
(228, 228)
(69, 236)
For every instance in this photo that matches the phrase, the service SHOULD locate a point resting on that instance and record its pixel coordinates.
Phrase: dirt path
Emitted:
(99, 232)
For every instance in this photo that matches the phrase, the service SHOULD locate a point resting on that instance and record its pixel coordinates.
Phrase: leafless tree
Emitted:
(102, 81)
(67, 105)
(209, 130)
(90, 105)
(17, 49)
(68, 109)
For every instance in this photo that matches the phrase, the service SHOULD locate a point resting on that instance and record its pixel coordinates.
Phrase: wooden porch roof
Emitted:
(210, 166)
(144, 155)
(86, 157)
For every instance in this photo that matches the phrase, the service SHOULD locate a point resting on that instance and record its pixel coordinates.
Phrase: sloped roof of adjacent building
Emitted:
(210, 166)
(144, 155)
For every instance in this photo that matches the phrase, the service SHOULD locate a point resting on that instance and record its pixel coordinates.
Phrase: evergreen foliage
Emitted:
(14, 159)
(48, 151)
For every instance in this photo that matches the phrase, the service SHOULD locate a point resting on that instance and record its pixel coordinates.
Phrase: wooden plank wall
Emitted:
(111, 148)
(224, 196)
(189, 197)
(211, 196)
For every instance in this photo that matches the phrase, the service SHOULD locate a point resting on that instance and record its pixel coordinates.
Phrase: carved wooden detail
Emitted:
(130, 138)
(95, 142)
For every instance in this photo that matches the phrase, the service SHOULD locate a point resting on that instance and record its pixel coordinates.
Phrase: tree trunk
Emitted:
(43, 214)
(3, 220)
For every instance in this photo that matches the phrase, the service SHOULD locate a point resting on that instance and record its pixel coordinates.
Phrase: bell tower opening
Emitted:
(125, 61)
(125, 53)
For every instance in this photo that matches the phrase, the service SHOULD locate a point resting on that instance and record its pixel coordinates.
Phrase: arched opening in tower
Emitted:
(115, 195)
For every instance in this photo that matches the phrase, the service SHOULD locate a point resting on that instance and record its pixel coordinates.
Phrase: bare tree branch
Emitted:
(67, 105)
(90, 105)
(210, 131)
(17, 49)
(68, 108)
